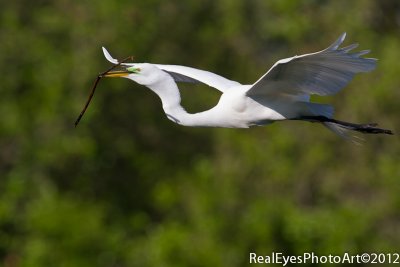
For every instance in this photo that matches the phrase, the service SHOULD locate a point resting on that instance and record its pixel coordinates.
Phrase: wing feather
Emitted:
(188, 74)
(179, 78)
(321, 73)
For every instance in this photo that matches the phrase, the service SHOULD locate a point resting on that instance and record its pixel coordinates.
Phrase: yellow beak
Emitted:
(117, 73)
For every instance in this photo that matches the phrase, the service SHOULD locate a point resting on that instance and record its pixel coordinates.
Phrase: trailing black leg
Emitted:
(369, 128)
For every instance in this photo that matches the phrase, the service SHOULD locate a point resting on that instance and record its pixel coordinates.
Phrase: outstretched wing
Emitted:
(321, 73)
(179, 78)
(187, 74)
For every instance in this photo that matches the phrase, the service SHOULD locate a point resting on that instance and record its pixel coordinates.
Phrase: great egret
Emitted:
(283, 93)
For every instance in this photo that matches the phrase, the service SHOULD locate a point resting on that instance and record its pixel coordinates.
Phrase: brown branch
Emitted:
(101, 75)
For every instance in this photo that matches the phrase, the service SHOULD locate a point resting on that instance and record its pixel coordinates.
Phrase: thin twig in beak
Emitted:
(101, 75)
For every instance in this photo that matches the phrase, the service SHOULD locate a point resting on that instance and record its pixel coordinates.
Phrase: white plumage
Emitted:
(283, 93)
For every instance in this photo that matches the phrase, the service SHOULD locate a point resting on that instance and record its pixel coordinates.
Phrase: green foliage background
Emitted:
(130, 188)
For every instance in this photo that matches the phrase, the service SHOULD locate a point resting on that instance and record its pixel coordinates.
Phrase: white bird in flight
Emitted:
(283, 93)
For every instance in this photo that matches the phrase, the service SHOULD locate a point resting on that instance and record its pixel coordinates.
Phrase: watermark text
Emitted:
(311, 257)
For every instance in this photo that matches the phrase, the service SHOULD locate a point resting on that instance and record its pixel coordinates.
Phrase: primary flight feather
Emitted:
(283, 93)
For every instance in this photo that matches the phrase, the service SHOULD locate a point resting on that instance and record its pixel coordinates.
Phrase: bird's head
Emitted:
(141, 73)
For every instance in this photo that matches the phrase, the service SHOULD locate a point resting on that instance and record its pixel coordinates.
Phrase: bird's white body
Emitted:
(282, 93)
(233, 110)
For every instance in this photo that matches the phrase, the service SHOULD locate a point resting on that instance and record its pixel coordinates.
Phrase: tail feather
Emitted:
(343, 132)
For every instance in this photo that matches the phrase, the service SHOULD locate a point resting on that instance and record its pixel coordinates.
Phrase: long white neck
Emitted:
(168, 92)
